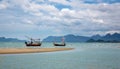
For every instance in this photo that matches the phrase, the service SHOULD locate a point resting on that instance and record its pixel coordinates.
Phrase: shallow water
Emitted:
(84, 56)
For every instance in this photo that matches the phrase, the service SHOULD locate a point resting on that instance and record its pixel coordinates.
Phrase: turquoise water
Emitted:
(84, 56)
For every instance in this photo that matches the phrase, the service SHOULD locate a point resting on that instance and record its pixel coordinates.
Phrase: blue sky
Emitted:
(42, 18)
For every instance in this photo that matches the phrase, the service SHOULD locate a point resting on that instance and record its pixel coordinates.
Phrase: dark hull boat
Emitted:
(62, 44)
(33, 44)
(59, 44)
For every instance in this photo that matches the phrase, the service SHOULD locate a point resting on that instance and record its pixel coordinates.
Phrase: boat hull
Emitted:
(33, 44)
(59, 44)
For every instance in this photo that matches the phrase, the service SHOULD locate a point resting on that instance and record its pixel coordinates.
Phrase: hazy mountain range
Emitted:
(3, 39)
(73, 38)
(68, 38)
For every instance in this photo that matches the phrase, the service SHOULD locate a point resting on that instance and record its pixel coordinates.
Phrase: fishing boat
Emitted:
(33, 42)
(60, 44)
(63, 44)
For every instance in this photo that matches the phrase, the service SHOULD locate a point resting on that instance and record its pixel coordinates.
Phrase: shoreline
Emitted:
(30, 50)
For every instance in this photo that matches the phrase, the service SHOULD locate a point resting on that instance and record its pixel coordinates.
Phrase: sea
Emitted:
(83, 56)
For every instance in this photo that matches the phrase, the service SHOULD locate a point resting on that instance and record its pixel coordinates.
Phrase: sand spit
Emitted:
(30, 50)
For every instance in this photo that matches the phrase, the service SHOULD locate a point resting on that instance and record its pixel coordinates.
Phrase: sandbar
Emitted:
(30, 50)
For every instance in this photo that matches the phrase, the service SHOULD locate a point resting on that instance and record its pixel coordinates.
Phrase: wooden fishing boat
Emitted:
(33, 42)
(62, 44)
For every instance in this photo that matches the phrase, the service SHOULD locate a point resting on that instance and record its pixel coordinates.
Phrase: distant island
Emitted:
(100, 40)
(68, 38)
(112, 38)
(95, 38)
(4, 39)
(73, 38)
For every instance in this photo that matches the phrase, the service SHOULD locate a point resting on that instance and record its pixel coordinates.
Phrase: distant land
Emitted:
(107, 38)
(68, 38)
(3, 39)
(73, 38)
(95, 38)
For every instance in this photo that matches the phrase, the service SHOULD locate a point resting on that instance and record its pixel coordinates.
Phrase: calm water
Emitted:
(84, 56)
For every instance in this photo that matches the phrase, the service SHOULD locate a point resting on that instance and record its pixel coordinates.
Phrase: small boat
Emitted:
(58, 44)
(63, 44)
(33, 42)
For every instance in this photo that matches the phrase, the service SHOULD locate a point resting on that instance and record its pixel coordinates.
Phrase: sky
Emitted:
(42, 18)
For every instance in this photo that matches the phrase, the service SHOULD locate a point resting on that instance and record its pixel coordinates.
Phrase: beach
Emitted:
(30, 50)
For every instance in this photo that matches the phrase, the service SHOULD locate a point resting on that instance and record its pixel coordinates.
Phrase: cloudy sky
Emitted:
(41, 18)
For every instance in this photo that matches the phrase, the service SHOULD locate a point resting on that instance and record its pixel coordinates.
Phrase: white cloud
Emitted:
(27, 21)
(3, 5)
(13, 27)
(113, 31)
(81, 18)
(40, 9)
(37, 1)
(64, 2)
(67, 12)
(98, 21)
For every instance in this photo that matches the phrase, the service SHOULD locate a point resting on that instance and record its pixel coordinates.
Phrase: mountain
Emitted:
(107, 38)
(95, 38)
(52, 39)
(111, 37)
(73, 38)
(68, 38)
(3, 39)
(100, 40)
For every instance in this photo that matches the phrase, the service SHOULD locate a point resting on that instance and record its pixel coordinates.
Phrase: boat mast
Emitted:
(63, 40)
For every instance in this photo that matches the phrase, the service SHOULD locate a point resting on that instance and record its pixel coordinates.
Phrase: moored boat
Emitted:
(33, 42)
(62, 44)
(55, 44)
